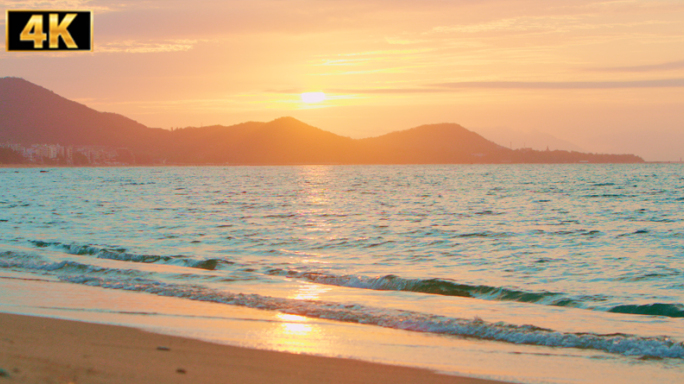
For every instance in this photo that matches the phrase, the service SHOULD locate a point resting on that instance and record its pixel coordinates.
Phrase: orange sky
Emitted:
(605, 76)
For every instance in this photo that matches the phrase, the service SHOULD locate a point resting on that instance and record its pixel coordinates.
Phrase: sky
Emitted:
(600, 76)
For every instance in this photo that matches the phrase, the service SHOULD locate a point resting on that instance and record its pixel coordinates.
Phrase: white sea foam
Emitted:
(406, 320)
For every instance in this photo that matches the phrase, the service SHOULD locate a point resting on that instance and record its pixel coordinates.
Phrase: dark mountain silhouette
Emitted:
(30, 114)
(281, 141)
(434, 143)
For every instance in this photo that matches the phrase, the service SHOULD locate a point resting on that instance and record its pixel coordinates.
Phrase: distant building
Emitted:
(59, 154)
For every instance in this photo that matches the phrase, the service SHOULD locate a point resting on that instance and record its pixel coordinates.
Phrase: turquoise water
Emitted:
(563, 256)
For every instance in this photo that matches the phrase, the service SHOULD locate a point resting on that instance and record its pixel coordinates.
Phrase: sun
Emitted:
(312, 97)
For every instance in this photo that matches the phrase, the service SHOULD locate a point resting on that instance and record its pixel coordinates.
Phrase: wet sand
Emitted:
(45, 350)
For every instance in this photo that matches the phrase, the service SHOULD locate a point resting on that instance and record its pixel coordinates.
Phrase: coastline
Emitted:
(40, 350)
(171, 165)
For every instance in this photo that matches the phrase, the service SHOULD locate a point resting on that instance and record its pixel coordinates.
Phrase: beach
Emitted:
(44, 350)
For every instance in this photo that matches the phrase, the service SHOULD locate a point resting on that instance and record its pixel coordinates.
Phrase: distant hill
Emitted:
(514, 138)
(435, 143)
(281, 141)
(30, 114)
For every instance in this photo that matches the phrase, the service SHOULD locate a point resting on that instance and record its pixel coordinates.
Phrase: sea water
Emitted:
(572, 264)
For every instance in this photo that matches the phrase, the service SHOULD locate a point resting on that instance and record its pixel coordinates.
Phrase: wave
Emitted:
(612, 195)
(602, 184)
(485, 292)
(121, 255)
(434, 286)
(11, 259)
(657, 309)
(624, 344)
(383, 283)
(65, 268)
(431, 286)
(637, 232)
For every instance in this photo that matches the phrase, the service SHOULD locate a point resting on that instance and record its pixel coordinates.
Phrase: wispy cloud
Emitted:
(520, 85)
(542, 24)
(364, 91)
(634, 5)
(131, 46)
(53, 4)
(387, 52)
(497, 25)
(660, 83)
(403, 41)
(343, 62)
(672, 65)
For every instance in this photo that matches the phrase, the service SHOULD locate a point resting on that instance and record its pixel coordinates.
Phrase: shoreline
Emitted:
(52, 166)
(40, 349)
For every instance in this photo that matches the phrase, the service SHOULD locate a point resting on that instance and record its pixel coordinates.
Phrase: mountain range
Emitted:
(31, 114)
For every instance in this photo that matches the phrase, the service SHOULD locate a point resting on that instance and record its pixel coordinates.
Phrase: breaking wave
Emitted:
(628, 345)
(434, 286)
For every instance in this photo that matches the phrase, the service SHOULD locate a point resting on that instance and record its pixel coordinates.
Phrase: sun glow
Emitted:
(312, 97)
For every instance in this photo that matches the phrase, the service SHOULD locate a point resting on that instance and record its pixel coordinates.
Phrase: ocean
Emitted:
(528, 273)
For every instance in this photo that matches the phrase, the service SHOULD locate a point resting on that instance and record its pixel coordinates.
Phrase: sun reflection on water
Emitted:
(294, 325)
(314, 182)
(299, 334)
(309, 291)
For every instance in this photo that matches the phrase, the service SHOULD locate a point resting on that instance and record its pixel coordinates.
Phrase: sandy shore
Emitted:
(43, 350)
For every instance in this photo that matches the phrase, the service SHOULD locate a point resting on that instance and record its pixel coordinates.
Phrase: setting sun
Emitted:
(312, 97)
